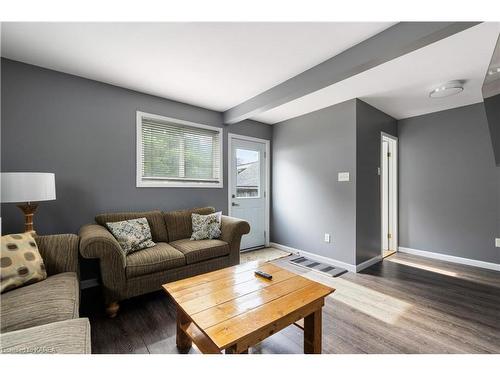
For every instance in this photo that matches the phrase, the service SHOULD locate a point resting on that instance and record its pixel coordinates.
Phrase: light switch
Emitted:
(343, 176)
(327, 237)
(497, 242)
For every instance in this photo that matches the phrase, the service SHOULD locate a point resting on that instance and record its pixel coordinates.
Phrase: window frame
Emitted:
(175, 183)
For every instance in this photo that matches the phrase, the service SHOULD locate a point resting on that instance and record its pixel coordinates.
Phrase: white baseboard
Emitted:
(367, 263)
(451, 258)
(89, 283)
(318, 258)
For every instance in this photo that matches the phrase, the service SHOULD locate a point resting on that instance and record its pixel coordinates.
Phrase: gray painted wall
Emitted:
(308, 201)
(84, 132)
(370, 122)
(449, 187)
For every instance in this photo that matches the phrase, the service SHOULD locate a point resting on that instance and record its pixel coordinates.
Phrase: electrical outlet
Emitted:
(497, 242)
(327, 237)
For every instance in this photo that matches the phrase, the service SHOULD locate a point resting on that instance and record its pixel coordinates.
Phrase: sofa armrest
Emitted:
(232, 230)
(70, 336)
(97, 242)
(59, 252)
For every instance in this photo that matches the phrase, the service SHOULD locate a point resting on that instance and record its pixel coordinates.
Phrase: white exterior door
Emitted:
(248, 195)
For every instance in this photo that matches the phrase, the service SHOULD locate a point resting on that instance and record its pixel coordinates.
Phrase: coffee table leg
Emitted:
(232, 350)
(312, 333)
(183, 341)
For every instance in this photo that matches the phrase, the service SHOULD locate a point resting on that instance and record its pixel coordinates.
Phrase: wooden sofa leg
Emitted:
(112, 309)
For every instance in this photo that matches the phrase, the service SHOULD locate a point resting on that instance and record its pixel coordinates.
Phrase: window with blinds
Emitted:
(177, 153)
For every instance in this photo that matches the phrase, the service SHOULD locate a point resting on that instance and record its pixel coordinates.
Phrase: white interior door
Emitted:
(248, 189)
(389, 193)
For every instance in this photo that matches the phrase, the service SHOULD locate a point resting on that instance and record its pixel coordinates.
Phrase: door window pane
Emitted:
(247, 173)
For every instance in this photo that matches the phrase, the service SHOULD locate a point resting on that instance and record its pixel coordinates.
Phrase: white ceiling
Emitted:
(212, 65)
(401, 86)
(220, 65)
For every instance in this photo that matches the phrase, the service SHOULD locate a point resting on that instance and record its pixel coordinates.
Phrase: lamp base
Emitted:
(29, 210)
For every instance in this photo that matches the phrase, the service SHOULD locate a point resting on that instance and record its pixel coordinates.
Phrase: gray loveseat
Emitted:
(43, 317)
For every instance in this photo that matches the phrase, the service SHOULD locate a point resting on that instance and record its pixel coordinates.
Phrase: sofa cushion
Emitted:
(51, 300)
(155, 221)
(197, 251)
(21, 262)
(67, 337)
(157, 258)
(179, 223)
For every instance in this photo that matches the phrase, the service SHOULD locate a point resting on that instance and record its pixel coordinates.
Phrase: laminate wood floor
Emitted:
(405, 304)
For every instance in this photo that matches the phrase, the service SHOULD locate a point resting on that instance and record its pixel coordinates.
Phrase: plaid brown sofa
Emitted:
(174, 257)
(43, 317)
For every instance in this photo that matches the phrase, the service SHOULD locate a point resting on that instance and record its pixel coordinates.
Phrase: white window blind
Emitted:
(179, 153)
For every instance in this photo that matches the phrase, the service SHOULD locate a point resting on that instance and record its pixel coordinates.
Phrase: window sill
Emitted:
(177, 184)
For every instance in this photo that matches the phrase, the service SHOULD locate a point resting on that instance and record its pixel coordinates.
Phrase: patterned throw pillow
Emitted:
(21, 263)
(132, 235)
(206, 227)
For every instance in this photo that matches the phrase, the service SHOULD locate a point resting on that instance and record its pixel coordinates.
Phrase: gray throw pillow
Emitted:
(132, 235)
(206, 227)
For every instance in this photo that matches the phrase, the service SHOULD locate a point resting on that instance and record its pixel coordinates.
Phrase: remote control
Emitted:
(264, 275)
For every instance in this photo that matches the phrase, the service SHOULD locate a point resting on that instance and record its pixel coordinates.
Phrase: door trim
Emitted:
(267, 163)
(395, 166)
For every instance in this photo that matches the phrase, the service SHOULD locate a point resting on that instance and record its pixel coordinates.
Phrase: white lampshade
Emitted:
(20, 187)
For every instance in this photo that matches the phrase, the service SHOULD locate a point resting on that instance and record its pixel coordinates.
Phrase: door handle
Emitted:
(234, 204)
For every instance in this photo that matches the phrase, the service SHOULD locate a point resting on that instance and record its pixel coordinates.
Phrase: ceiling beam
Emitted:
(387, 45)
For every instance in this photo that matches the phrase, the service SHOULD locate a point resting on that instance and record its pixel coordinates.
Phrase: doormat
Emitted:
(265, 255)
(324, 268)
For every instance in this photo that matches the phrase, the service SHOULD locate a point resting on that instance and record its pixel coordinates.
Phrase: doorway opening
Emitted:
(389, 193)
(248, 193)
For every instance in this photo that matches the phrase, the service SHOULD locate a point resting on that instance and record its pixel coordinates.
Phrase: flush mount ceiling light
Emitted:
(447, 89)
(493, 71)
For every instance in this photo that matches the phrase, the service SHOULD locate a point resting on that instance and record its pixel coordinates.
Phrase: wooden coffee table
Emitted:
(232, 309)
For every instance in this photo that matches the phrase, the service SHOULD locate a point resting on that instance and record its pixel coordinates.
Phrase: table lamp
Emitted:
(26, 188)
